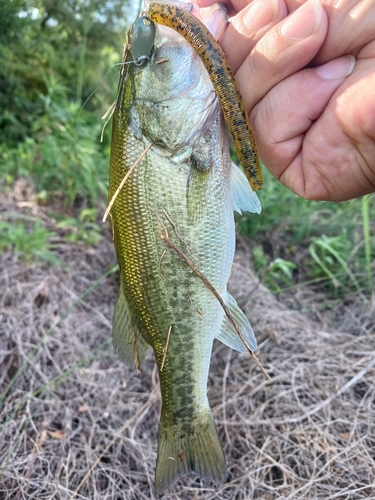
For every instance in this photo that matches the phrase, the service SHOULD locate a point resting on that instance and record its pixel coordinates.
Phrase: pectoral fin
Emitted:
(244, 198)
(228, 334)
(196, 195)
(127, 340)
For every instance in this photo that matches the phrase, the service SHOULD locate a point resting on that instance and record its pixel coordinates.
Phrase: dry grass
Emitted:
(308, 434)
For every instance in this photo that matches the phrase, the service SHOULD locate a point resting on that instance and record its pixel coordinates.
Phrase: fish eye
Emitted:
(142, 37)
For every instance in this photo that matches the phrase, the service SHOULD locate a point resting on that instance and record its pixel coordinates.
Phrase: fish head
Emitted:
(173, 99)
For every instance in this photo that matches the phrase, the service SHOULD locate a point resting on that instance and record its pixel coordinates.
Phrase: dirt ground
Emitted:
(76, 423)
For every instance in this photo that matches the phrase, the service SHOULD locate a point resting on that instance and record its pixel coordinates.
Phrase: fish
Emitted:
(173, 189)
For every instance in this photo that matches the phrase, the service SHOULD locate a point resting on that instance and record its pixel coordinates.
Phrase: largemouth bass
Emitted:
(170, 141)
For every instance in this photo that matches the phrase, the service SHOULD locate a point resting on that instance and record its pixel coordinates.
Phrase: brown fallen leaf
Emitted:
(345, 435)
(57, 434)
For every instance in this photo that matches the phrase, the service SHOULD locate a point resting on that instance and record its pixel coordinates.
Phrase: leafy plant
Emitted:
(260, 260)
(64, 158)
(72, 42)
(279, 274)
(330, 254)
(280, 208)
(84, 228)
(276, 274)
(332, 242)
(32, 241)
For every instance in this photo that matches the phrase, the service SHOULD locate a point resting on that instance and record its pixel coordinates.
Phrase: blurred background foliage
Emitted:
(328, 246)
(58, 77)
(53, 56)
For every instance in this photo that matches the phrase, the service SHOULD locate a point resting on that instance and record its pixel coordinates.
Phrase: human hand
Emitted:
(314, 127)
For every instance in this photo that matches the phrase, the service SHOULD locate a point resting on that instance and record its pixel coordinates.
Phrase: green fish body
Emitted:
(184, 189)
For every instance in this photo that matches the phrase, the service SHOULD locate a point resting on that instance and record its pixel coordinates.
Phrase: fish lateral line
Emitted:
(122, 183)
(176, 231)
(222, 78)
(159, 264)
(213, 290)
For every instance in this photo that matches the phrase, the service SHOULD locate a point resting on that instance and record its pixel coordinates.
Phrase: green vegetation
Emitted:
(58, 77)
(298, 241)
(82, 228)
(66, 160)
(53, 56)
(29, 238)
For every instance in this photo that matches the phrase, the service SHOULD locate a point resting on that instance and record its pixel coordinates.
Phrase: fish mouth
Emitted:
(214, 17)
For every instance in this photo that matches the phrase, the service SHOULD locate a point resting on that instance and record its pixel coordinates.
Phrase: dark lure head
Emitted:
(141, 38)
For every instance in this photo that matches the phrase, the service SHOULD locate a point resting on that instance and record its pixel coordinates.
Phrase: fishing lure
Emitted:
(142, 37)
(213, 58)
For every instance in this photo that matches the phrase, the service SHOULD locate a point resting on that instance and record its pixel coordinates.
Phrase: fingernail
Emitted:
(260, 13)
(339, 68)
(304, 22)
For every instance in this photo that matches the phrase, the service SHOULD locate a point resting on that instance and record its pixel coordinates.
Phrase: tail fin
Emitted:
(195, 448)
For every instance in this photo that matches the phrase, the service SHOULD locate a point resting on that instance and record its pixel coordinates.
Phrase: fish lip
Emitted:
(214, 17)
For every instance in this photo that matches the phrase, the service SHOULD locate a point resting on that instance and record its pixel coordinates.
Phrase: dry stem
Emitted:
(115, 437)
(165, 348)
(222, 303)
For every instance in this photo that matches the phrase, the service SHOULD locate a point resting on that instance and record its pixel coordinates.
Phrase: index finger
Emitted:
(283, 50)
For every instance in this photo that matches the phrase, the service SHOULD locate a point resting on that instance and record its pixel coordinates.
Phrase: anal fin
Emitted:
(127, 340)
(228, 334)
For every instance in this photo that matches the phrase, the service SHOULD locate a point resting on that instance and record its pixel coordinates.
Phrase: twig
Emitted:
(107, 116)
(222, 303)
(322, 404)
(165, 348)
(159, 219)
(137, 360)
(169, 219)
(116, 436)
(128, 174)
